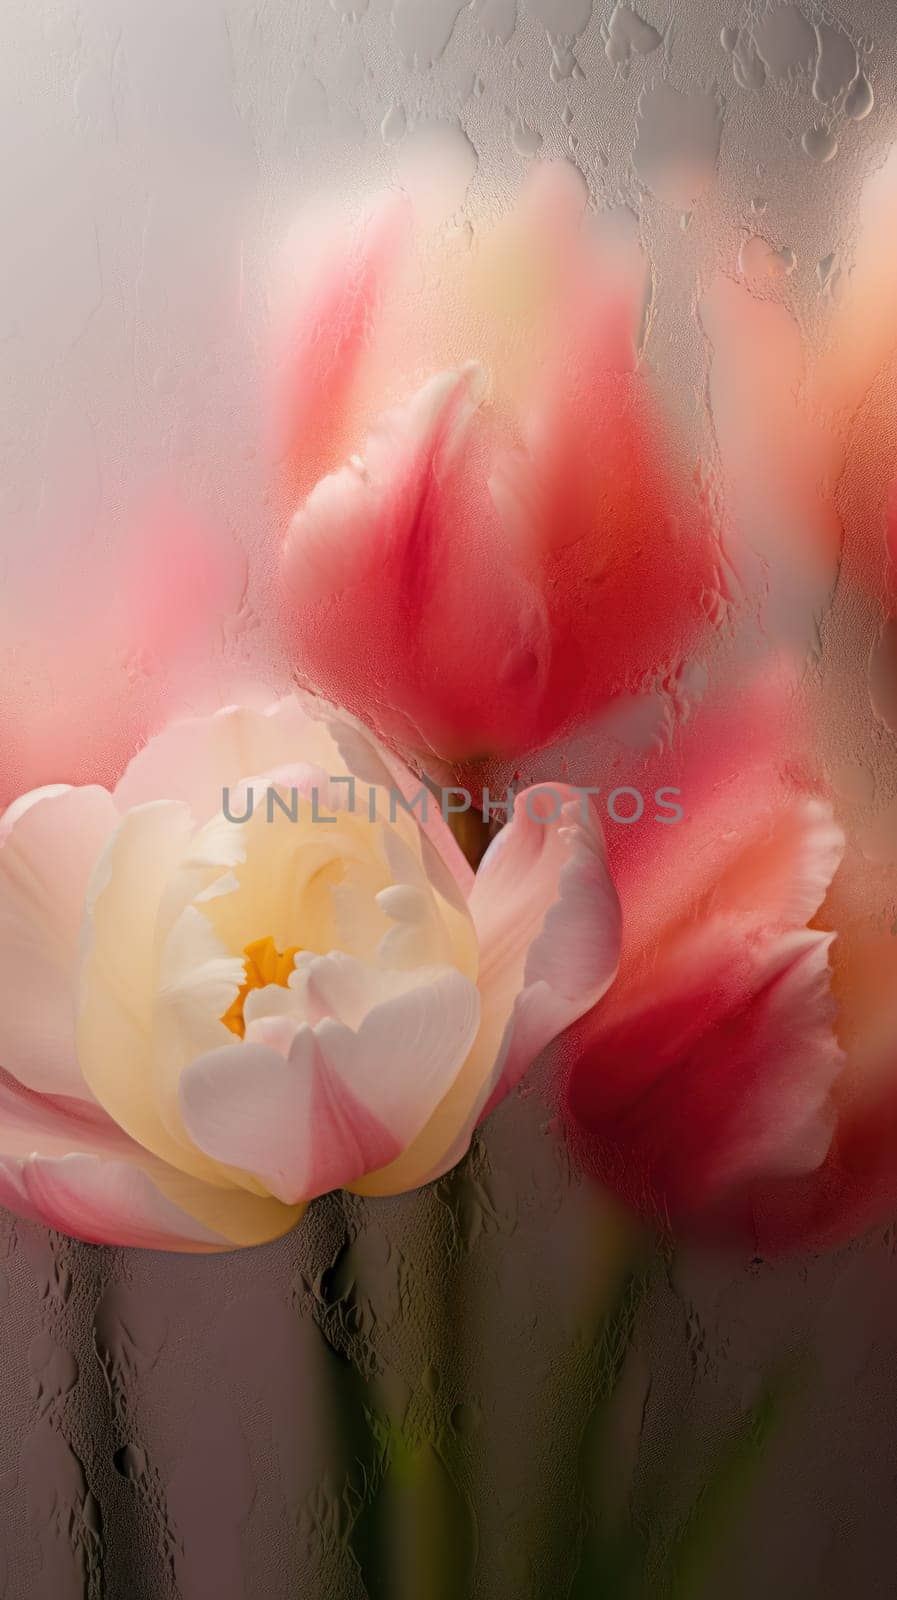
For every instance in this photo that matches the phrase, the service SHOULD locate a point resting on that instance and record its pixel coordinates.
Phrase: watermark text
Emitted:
(543, 803)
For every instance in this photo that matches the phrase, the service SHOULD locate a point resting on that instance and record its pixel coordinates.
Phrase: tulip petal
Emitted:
(713, 1058)
(50, 842)
(364, 513)
(549, 923)
(197, 759)
(784, 873)
(118, 975)
(599, 511)
(405, 597)
(70, 1167)
(342, 1101)
(447, 867)
(324, 345)
(856, 1187)
(548, 920)
(721, 1071)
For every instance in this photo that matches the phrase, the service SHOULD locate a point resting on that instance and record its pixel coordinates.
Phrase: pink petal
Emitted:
(343, 1101)
(373, 763)
(713, 1058)
(194, 760)
(405, 597)
(324, 339)
(599, 505)
(596, 494)
(730, 765)
(548, 922)
(856, 1187)
(784, 528)
(69, 1167)
(102, 1202)
(50, 843)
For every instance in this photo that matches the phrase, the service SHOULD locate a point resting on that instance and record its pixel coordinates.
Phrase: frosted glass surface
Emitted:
(242, 1425)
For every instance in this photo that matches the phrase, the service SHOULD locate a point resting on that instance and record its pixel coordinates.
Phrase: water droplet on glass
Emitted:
(526, 141)
(826, 271)
(786, 41)
(836, 65)
(820, 144)
(54, 1370)
(130, 1461)
(860, 100)
(677, 143)
(628, 33)
(567, 17)
(759, 260)
(854, 783)
(436, 163)
(498, 18)
(748, 68)
(393, 126)
(878, 839)
(563, 62)
(424, 31)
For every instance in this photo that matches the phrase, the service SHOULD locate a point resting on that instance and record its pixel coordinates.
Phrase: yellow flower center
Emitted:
(263, 963)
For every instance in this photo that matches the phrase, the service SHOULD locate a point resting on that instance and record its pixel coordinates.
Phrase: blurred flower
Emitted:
(215, 1006)
(483, 557)
(709, 1076)
(807, 435)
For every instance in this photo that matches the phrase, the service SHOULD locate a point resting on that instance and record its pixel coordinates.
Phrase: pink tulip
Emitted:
(214, 1008)
(494, 536)
(708, 1081)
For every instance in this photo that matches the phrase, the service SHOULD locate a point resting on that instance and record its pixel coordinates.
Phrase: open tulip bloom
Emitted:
(260, 968)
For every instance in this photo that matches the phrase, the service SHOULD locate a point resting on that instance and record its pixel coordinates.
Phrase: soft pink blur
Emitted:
(741, 1077)
(506, 538)
(117, 642)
